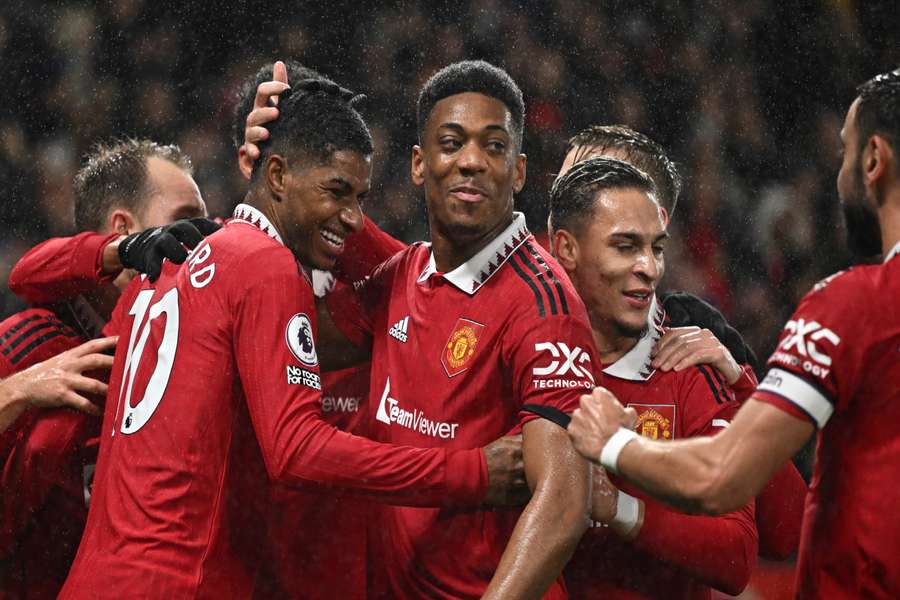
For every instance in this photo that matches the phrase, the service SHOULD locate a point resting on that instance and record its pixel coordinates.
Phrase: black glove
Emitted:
(685, 309)
(145, 251)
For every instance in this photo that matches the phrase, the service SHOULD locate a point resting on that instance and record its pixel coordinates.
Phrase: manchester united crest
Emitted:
(461, 346)
(655, 421)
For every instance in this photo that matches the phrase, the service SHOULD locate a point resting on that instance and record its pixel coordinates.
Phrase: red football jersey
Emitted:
(44, 457)
(838, 364)
(675, 555)
(454, 357)
(316, 540)
(298, 519)
(215, 384)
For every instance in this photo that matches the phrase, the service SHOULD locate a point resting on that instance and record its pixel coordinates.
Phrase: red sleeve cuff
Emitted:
(785, 405)
(466, 477)
(94, 245)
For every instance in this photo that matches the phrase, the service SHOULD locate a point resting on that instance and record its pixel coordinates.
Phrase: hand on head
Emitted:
(264, 111)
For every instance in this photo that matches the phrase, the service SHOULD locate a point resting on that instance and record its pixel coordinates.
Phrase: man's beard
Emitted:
(863, 231)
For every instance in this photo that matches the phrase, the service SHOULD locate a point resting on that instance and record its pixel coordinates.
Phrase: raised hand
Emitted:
(264, 111)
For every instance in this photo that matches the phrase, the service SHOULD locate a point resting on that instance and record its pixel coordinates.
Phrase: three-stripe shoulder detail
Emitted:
(30, 333)
(548, 292)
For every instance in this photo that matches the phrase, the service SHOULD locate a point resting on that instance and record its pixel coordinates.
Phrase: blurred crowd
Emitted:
(748, 96)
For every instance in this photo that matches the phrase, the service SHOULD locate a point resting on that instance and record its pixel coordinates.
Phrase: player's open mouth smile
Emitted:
(468, 193)
(335, 241)
(639, 298)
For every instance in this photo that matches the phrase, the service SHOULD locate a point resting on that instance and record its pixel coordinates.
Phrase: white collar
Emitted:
(475, 272)
(635, 365)
(322, 282)
(252, 216)
(894, 252)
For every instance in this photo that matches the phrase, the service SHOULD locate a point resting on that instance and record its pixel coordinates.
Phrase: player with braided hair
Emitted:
(216, 370)
(316, 539)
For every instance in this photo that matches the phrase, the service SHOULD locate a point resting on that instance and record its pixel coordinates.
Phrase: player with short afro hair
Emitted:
(472, 76)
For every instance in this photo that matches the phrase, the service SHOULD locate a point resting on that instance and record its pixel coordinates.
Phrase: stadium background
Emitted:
(748, 96)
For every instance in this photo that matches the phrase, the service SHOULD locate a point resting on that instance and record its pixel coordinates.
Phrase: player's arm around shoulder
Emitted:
(811, 371)
(60, 268)
(346, 314)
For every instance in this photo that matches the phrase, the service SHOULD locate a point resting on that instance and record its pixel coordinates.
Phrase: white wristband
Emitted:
(628, 510)
(609, 456)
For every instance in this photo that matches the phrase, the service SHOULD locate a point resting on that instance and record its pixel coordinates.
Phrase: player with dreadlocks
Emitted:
(218, 366)
(836, 369)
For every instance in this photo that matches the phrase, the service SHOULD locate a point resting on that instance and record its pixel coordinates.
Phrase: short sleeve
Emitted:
(708, 403)
(551, 359)
(819, 353)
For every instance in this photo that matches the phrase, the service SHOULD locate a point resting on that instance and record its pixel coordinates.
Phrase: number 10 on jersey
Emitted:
(136, 414)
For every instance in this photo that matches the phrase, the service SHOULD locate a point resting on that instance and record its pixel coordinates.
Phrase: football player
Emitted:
(835, 370)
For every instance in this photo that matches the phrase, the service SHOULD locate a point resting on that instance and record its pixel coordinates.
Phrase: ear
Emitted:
(877, 156)
(565, 248)
(245, 163)
(664, 216)
(121, 221)
(417, 166)
(519, 181)
(277, 175)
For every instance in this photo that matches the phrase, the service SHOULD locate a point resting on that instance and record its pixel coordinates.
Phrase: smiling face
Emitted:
(620, 260)
(320, 206)
(470, 166)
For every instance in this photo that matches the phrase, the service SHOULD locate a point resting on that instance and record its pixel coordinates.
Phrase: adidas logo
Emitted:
(399, 329)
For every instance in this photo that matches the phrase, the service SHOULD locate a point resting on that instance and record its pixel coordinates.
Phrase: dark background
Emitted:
(748, 96)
